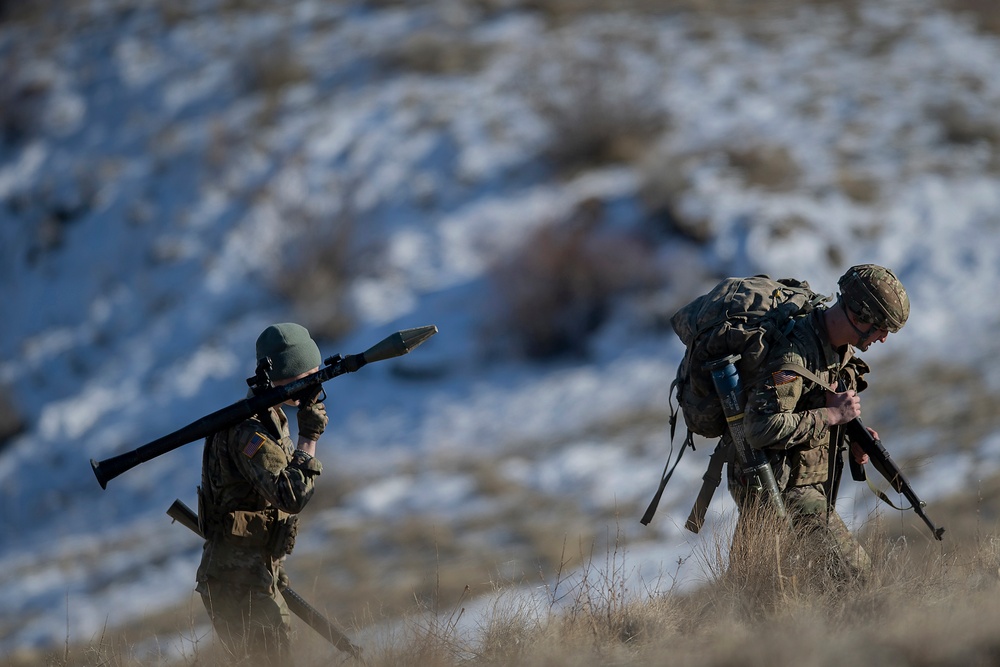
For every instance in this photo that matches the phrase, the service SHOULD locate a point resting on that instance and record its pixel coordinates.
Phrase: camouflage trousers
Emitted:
(254, 626)
(820, 530)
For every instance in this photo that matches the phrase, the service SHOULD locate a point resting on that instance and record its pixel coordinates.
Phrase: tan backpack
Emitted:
(743, 316)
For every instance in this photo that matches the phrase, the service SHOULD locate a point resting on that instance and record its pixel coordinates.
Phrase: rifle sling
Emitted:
(807, 374)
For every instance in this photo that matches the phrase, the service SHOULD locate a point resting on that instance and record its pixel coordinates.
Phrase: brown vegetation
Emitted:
(924, 604)
(560, 286)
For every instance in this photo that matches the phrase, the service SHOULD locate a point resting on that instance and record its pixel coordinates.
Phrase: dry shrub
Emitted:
(323, 261)
(441, 52)
(12, 422)
(269, 70)
(916, 608)
(596, 112)
(768, 167)
(22, 102)
(961, 126)
(664, 179)
(48, 208)
(858, 186)
(984, 13)
(28, 11)
(562, 283)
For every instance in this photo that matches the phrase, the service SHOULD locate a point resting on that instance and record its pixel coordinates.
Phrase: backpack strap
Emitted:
(668, 470)
(802, 371)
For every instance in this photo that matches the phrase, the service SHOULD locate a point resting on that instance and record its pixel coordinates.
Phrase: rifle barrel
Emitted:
(882, 462)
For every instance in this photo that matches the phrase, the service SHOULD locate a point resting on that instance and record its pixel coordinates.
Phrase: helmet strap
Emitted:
(863, 336)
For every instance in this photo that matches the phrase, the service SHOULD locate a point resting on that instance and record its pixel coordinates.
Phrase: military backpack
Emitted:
(743, 316)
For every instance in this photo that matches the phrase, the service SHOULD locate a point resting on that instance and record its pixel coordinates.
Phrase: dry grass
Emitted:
(925, 603)
(918, 608)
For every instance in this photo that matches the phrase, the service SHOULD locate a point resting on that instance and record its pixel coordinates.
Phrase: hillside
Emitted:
(546, 182)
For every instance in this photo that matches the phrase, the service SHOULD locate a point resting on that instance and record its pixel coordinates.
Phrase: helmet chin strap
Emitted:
(863, 336)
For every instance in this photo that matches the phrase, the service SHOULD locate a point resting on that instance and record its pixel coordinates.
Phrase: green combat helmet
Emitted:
(876, 296)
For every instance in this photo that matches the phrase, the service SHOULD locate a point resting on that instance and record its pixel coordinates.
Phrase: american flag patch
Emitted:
(256, 442)
(783, 377)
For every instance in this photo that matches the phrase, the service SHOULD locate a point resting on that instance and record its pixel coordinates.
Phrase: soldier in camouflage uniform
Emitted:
(254, 482)
(794, 412)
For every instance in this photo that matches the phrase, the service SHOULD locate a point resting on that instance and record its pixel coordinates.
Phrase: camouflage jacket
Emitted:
(786, 413)
(253, 482)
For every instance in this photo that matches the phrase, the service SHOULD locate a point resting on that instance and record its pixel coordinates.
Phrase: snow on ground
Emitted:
(181, 179)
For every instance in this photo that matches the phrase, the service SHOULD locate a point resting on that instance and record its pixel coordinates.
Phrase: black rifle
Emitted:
(883, 463)
(265, 396)
(187, 517)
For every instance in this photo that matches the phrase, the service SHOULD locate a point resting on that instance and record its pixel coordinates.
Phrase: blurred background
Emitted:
(546, 181)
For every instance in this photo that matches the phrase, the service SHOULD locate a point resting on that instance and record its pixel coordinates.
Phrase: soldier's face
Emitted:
(874, 335)
(869, 333)
(282, 383)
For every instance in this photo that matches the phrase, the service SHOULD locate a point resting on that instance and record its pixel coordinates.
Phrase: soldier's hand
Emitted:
(309, 396)
(842, 407)
(858, 453)
(312, 420)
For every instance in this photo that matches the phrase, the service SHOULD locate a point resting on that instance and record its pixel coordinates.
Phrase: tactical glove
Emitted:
(282, 581)
(312, 420)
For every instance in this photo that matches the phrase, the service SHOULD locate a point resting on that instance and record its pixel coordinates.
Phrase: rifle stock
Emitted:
(883, 463)
(185, 516)
(394, 345)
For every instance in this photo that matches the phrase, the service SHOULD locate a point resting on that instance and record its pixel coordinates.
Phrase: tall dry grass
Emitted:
(923, 604)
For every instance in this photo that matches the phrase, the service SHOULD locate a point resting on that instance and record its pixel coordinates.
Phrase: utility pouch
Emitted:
(283, 535)
(809, 465)
(247, 529)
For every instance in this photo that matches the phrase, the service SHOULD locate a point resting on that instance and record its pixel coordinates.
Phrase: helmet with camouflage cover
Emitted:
(875, 295)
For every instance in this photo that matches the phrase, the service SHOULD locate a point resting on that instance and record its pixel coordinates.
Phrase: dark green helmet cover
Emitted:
(291, 349)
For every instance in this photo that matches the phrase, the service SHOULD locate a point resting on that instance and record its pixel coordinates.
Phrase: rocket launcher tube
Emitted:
(754, 462)
(394, 345)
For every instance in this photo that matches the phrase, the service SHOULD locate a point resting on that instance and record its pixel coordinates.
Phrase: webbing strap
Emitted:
(878, 492)
(801, 370)
(668, 471)
(809, 375)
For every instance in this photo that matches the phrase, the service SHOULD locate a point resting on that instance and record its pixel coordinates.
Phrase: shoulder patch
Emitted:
(783, 377)
(255, 443)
